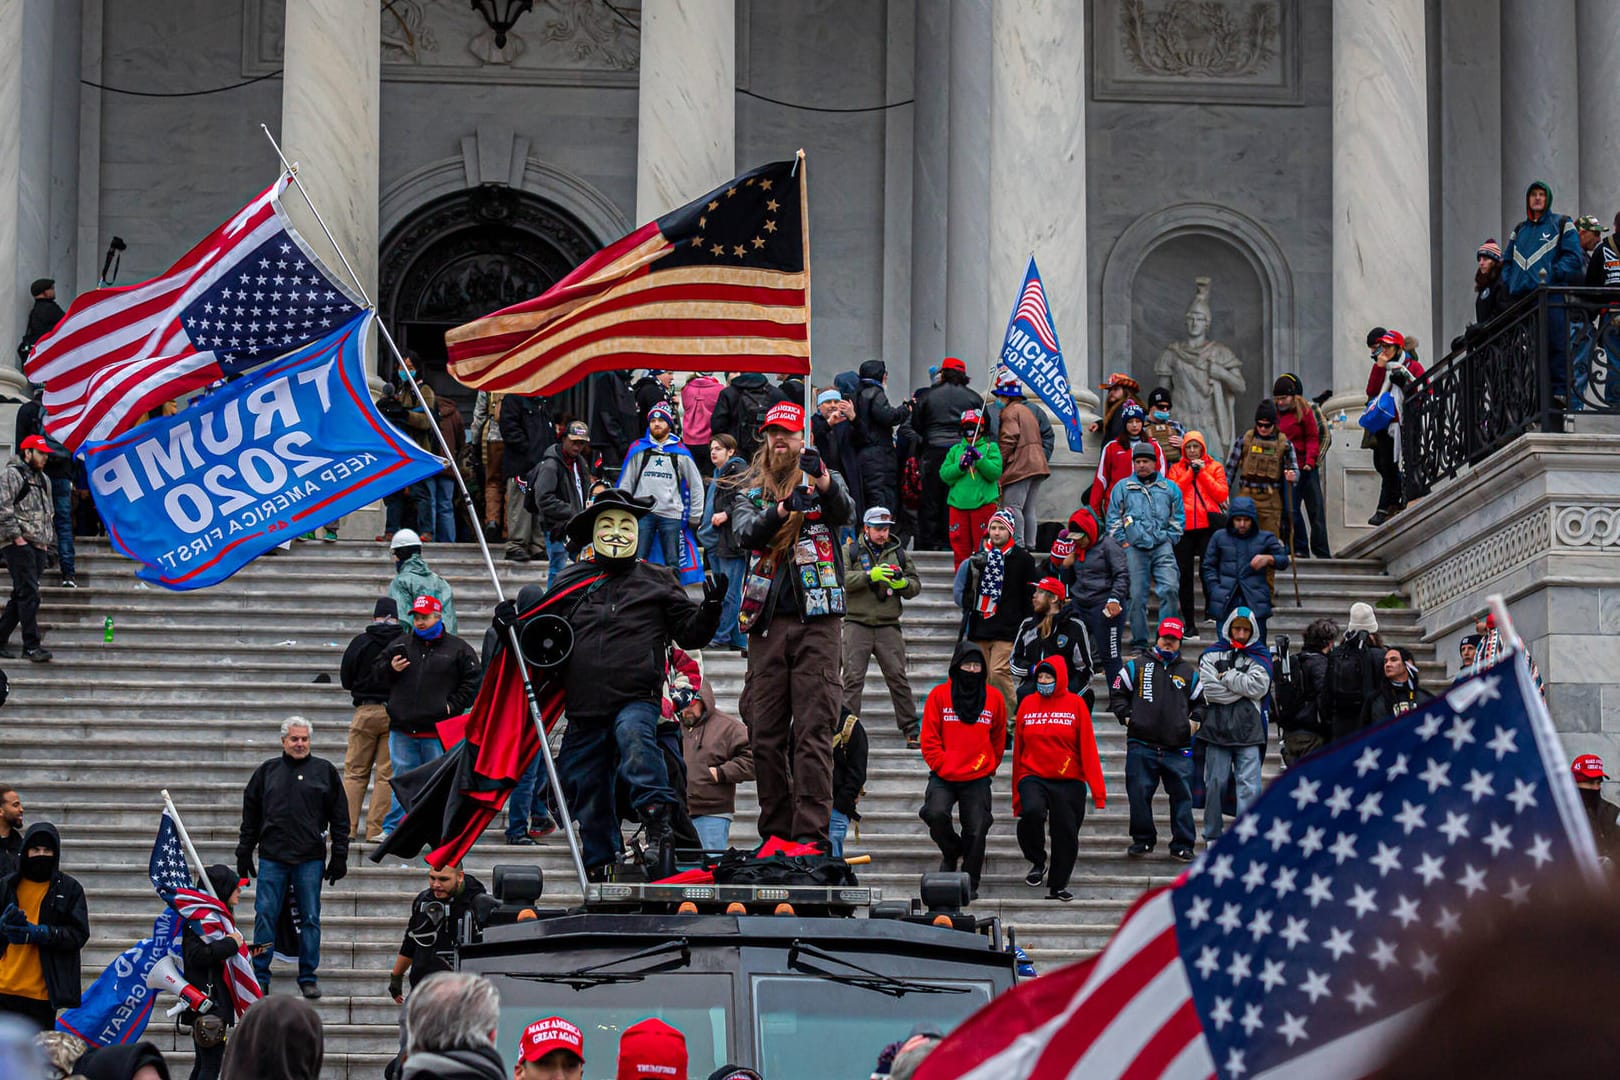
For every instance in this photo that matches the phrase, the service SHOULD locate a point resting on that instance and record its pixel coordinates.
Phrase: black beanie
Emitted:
(223, 879)
(872, 369)
(1287, 384)
(1373, 335)
(386, 608)
(1266, 410)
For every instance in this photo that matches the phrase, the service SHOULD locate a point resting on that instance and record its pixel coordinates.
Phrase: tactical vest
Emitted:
(1161, 434)
(1262, 460)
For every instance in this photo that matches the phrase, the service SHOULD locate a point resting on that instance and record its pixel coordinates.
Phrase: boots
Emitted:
(660, 842)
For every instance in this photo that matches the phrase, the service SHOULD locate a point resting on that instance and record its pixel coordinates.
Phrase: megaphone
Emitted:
(165, 975)
(545, 640)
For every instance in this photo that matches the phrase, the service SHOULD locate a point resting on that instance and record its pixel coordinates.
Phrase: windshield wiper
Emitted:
(867, 979)
(593, 975)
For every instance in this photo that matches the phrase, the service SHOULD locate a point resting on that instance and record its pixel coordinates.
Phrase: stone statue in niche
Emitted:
(1204, 376)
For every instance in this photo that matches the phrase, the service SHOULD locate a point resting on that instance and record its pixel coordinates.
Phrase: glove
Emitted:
(878, 575)
(506, 616)
(969, 456)
(897, 583)
(336, 868)
(12, 916)
(810, 461)
(34, 934)
(245, 867)
(803, 500)
(396, 986)
(714, 588)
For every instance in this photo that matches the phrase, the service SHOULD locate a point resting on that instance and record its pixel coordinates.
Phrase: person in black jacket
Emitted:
(368, 728)
(1052, 630)
(1300, 690)
(292, 801)
(652, 389)
(1099, 582)
(431, 675)
(1158, 698)
(938, 420)
(614, 419)
(204, 968)
(849, 778)
(526, 434)
(559, 487)
(44, 924)
(42, 317)
(1398, 692)
(11, 830)
(995, 587)
(740, 411)
(437, 914)
(875, 421)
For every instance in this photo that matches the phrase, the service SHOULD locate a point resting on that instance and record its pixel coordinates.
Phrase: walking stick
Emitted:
(1288, 516)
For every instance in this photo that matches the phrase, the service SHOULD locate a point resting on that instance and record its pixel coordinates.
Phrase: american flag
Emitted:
(250, 291)
(171, 877)
(1309, 936)
(1032, 310)
(722, 282)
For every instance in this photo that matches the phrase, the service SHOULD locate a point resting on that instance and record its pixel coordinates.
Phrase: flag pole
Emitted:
(185, 842)
(804, 234)
(466, 502)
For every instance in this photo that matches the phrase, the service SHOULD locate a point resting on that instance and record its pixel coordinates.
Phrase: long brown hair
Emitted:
(774, 487)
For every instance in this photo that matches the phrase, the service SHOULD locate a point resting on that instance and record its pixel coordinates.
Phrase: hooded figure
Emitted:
(204, 968)
(1054, 763)
(1235, 673)
(964, 735)
(1398, 691)
(1230, 578)
(279, 1038)
(1545, 249)
(43, 926)
(120, 1062)
(412, 578)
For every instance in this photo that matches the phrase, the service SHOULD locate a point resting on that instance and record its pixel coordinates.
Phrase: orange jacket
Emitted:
(958, 751)
(1211, 484)
(1054, 739)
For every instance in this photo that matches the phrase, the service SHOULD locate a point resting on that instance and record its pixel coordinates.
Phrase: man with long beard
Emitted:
(792, 610)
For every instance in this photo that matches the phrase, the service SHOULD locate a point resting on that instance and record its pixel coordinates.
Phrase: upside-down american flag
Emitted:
(722, 282)
(171, 877)
(1306, 940)
(250, 291)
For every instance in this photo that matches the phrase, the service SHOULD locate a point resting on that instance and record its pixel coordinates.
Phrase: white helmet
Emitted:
(404, 538)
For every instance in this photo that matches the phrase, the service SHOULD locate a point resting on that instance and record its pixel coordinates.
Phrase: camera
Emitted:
(390, 407)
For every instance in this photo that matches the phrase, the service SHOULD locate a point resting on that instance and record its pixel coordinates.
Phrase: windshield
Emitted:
(695, 1004)
(813, 1029)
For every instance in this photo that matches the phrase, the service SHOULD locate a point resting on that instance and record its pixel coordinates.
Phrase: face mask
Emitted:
(431, 633)
(37, 867)
(1160, 415)
(613, 538)
(1046, 689)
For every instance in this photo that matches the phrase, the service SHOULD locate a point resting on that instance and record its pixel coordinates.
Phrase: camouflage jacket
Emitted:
(25, 506)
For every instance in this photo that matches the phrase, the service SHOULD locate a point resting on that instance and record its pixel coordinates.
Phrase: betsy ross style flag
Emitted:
(1307, 939)
(722, 282)
(250, 291)
(1032, 353)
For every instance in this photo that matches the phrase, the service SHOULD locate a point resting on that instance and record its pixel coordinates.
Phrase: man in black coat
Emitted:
(43, 926)
(652, 389)
(437, 913)
(42, 317)
(613, 418)
(849, 778)
(740, 411)
(526, 434)
(559, 488)
(11, 830)
(204, 968)
(368, 728)
(875, 421)
(291, 802)
(938, 420)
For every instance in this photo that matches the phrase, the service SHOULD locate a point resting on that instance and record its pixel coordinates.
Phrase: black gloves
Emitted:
(810, 461)
(336, 868)
(1198, 466)
(714, 588)
(245, 867)
(506, 616)
(396, 986)
(803, 500)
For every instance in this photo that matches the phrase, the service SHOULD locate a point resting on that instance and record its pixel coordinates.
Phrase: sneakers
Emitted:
(519, 841)
(542, 830)
(1379, 518)
(1036, 875)
(330, 536)
(913, 742)
(69, 583)
(517, 555)
(38, 656)
(311, 991)
(1138, 851)
(8, 652)
(1182, 854)
(1062, 894)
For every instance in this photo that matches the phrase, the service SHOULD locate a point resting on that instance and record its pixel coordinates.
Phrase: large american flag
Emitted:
(1309, 936)
(723, 282)
(250, 291)
(171, 877)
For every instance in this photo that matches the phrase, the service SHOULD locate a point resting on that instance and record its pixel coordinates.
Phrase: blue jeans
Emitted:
(714, 831)
(1218, 765)
(593, 753)
(668, 533)
(394, 508)
(270, 893)
(557, 555)
(837, 829)
(1157, 564)
(527, 803)
(442, 492)
(62, 505)
(728, 632)
(408, 753)
(1145, 767)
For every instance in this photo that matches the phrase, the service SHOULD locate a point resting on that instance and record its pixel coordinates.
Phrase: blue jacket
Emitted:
(1549, 246)
(1228, 578)
(1146, 513)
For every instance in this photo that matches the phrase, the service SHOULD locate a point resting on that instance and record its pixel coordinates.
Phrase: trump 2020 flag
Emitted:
(1032, 353)
(1307, 938)
(196, 496)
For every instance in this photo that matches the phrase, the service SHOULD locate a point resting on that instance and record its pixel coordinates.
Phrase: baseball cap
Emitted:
(785, 414)
(578, 429)
(425, 605)
(1051, 585)
(877, 515)
(1393, 337)
(971, 418)
(1588, 767)
(952, 363)
(1172, 628)
(553, 1033)
(35, 442)
(1590, 223)
(651, 1048)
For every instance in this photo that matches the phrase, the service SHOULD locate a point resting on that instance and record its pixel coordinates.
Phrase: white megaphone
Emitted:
(165, 975)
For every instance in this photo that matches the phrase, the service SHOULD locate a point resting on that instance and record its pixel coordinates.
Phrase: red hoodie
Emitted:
(957, 751)
(1054, 741)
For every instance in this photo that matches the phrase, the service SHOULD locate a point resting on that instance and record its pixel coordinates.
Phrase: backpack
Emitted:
(1347, 673)
(1287, 689)
(911, 483)
(755, 402)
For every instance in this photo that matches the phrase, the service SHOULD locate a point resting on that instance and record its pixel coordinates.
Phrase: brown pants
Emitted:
(888, 644)
(998, 661)
(790, 703)
(368, 744)
(494, 485)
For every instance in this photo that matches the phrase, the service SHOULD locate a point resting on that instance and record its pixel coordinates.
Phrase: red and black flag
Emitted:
(723, 282)
(449, 802)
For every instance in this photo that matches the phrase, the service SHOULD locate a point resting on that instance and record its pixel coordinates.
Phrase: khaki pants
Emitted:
(521, 535)
(494, 486)
(888, 644)
(368, 745)
(998, 657)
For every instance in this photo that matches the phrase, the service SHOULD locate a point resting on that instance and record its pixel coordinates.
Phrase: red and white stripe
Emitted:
(1032, 308)
(215, 922)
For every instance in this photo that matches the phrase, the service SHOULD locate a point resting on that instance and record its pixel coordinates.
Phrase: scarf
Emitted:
(432, 633)
(993, 578)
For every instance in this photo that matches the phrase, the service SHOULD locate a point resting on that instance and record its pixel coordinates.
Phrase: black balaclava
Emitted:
(40, 867)
(967, 689)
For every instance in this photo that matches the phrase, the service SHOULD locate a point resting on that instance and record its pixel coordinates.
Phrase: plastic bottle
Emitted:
(107, 630)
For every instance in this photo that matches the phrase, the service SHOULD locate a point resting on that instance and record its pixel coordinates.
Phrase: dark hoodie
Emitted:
(1229, 580)
(119, 1062)
(356, 672)
(741, 408)
(1544, 250)
(964, 727)
(204, 961)
(62, 912)
(476, 1063)
(279, 1038)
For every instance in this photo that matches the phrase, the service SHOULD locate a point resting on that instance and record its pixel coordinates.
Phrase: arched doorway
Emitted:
(465, 255)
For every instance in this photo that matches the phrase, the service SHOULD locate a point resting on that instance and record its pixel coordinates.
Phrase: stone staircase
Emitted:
(190, 693)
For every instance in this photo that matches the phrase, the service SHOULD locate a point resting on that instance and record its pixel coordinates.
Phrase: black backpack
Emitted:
(1347, 673)
(755, 402)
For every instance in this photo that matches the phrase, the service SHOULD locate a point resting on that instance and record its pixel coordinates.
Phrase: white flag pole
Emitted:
(185, 842)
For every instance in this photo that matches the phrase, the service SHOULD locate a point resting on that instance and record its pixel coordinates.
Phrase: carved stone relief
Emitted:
(1244, 51)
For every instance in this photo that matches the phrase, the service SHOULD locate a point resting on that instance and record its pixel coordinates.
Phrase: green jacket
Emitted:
(415, 579)
(971, 489)
(868, 603)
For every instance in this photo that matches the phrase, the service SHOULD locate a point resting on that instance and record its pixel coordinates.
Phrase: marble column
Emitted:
(1381, 221)
(930, 190)
(967, 272)
(14, 299)
(1541, 129)
(1470, 183)
(899, 69)
(329, 125)
(1598, 44)
(686, 132)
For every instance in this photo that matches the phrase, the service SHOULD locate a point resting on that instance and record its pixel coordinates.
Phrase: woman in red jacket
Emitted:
(1393, 361)
(1202, 480)
(1054, 762)
(1298, 421)
(964, 735)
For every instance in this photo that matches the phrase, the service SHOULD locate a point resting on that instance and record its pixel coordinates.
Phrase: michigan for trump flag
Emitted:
(723, 282)
(1307, 939)
(248, 292)
(1031, 352)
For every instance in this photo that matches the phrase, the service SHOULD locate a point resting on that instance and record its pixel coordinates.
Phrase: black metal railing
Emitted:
(1509, 377)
